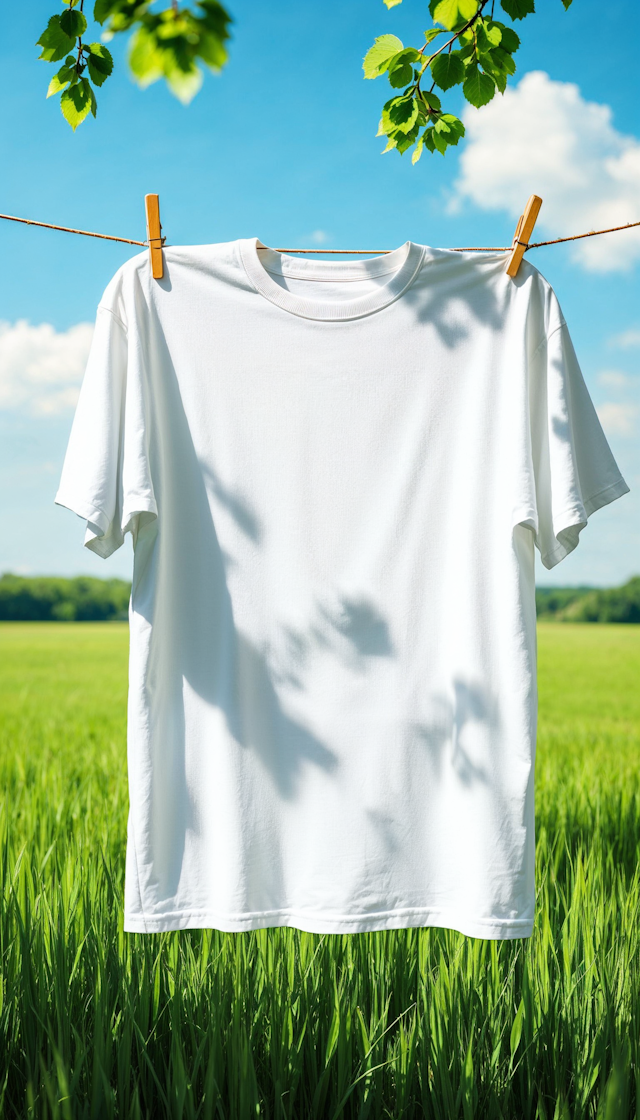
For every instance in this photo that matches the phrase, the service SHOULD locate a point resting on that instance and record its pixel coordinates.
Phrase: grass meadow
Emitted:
(281, 1024)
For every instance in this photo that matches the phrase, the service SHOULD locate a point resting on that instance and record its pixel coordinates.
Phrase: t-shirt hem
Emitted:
(487, 928)
(603, 497)
(83, 509)
(575, 518)
(111, 535)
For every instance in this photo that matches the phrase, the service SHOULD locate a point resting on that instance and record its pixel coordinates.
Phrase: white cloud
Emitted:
(627, 340)
(317, 237)
(617, 419)
(41, 368)
(615, 378)
(542, 137)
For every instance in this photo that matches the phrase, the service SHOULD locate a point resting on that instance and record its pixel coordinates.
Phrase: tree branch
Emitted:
(457, 35)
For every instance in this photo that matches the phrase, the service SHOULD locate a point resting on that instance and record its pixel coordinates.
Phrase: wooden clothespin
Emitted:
(154, 235)
(522, 236)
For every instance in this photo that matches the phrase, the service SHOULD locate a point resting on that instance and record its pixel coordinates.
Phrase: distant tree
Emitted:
(551, 600)
(614, 604)
(85, 599)
(54, 599)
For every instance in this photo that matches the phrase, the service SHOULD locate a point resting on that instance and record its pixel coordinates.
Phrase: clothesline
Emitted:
(360, 252)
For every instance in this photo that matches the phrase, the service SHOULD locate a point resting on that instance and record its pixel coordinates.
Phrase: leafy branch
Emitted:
(168, 44)
(482, 62)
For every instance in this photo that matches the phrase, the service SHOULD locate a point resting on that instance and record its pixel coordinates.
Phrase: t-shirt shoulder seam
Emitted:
(103, 307)
(546, 338)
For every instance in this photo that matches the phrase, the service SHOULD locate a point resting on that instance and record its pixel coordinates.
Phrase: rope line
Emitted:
(577, 236)
(342, 252)
(67, 229)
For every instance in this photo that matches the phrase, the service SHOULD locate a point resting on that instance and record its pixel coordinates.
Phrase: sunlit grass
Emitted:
(279, 1023)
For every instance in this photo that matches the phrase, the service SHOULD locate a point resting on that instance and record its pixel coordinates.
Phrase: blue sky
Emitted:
(281, 145)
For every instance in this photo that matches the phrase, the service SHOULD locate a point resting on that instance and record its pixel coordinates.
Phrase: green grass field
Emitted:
(283, 1024)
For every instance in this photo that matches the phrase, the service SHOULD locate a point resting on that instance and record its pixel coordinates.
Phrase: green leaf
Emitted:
(60, 80)
(455, 125)
(76, 103)
(212, 50)
(403, 142)
(390, 144)
(504, 60)
(377, 58)
(452, 14)
(518, 9)
(153, 55)
(145, 60)
(478, 88)
(431, 100)
(500, 77)
(428, 139)
(439, 141)
(400, 76)
(400, 67)
(392, 3)
(99, 62)
(516, 1030)
(493, 32)
(102, 9)
(567, 4)
(73, 23)
(483, 42)
(498, 64)
(54, 41)
(431, 34)
(184, 83)
(448, 70)
(509, 41)
(418, 150)
(408, 54)
(92, 97)
(466, 47)
(402, 113)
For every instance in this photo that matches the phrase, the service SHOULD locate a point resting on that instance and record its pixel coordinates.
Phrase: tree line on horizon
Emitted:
(87, 599)
(590, 604)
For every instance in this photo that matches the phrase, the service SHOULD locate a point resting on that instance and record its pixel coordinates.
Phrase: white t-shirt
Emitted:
(334, 474)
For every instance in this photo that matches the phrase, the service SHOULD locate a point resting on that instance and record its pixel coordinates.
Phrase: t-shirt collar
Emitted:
(403, 264)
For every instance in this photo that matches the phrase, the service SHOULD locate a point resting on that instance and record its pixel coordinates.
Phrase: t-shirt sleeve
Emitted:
(106, 476)
(574, 471)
